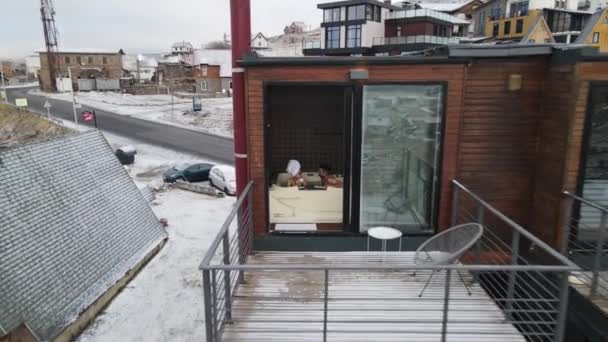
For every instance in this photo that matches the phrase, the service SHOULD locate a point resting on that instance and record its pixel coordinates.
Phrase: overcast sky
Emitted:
(140, 25)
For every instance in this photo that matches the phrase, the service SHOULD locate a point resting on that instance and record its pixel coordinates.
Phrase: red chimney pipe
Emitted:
(240, 17)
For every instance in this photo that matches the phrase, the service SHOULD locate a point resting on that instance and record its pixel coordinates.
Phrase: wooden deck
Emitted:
(362, 306)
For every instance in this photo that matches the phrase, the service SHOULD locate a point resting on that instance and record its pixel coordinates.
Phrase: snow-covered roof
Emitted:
(72, 226)
(223, 58)
(443, 6)
(182, 45)
(85, 50)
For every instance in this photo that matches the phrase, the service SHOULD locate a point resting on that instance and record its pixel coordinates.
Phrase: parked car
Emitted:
(191, 172)
(223, 177)
(126, 154)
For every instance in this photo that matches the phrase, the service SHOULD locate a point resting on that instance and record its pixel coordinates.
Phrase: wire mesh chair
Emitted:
(447, 247)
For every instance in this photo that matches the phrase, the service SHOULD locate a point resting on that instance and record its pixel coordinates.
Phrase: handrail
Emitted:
(519, 228)
(218, 238)
(380, 267)
(587, 202)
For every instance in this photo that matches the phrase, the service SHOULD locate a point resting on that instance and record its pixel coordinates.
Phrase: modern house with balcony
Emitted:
(491, 135)
(369, 27)
(516, 20)
(349, 27)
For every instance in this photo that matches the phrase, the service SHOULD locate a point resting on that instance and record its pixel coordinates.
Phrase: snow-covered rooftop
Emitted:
(443, 6)
(84, 50)
(223, 58)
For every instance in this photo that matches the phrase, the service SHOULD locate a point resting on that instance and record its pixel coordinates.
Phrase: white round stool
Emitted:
(384, 234)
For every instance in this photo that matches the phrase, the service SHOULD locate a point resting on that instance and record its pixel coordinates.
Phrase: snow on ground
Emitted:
(165, 300)
(215, 117)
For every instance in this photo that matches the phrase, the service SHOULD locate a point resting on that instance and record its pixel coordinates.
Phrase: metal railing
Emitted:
(419, 39)
(585, 242)
(518, 287)
(426, 13)
(219, 287)
(312, 45)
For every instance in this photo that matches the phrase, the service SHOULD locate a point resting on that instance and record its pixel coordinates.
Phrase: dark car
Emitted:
(191, 172)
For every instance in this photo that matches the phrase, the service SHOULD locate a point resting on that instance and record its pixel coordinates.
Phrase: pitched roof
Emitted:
(444, 6)
(72, 224)
(220, 57)
(589, 26)
(539, 23)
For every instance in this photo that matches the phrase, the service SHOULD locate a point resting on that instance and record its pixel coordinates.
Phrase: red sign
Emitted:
(88, 116)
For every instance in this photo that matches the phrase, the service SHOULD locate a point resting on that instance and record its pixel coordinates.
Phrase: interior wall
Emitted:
(306, 123)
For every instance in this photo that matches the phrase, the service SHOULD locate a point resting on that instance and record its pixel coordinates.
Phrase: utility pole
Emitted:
(73, 97)
(3, 84)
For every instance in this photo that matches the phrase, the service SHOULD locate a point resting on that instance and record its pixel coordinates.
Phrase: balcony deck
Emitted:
(362, 305)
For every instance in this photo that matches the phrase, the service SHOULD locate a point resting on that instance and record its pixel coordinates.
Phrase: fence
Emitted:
(585, 241)
(423, 12)
(517, 287)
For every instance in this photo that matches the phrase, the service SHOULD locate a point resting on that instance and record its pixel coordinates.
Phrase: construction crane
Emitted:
(47, 14)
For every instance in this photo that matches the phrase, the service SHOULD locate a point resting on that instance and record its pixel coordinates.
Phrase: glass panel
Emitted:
(400, 155)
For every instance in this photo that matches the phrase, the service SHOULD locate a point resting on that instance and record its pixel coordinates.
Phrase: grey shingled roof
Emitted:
(72, 223)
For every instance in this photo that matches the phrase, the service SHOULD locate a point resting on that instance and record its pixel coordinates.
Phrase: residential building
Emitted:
(75, 229)
(419, 29)
(565, 24)
(592, 5)
(295, 27)
(486, 134)
(213, 70)
(85, 65)
(374, 27)
(595, 32)
(8, 68)
(482, 13)
(259, 42)
(460, 9)
(182, 47)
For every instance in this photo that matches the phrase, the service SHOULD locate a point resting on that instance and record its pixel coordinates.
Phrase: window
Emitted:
(519, 26)
(90, 60)
(518, 9)
(332, 37)
(495, 13)
(373, 13)
(204, 70)
(204, 85)
(259, 43)
(79, 60)
(407, 162)
(356, 12)
(378, 16)
(482, 23)
(560, 4)
(398, 31)
(331, 15)
(353, 36)
(596, 38)
(67, 60)
(507, 28)
(495, 30)
(104, 60)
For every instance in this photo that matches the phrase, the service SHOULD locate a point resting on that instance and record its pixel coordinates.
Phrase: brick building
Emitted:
(92, 64)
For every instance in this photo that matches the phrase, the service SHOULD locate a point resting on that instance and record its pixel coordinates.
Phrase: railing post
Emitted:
(241, 213)
(214, 304)
(480, 218)
(227, 282)
(446, 306)
(325, 299)
(566, 228)
(209, 328)
(250, 231)
(512, 274)
(599, 249)
(562, 307)
(454, 214)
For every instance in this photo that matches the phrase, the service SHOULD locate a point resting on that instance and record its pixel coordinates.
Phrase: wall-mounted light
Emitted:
(359, 74)
(515, 82)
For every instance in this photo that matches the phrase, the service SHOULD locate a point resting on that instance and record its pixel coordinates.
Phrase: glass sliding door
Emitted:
(401, 137)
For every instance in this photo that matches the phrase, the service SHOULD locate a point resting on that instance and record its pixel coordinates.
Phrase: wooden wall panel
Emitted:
(499, 134)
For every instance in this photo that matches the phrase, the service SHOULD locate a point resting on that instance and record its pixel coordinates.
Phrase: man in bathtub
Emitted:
(329, 179)
(294, 170)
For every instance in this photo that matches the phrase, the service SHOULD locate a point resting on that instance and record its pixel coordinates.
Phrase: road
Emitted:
(179, 139)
